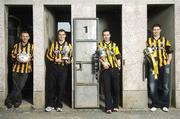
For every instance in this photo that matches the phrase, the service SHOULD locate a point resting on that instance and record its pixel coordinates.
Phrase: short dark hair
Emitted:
(24, 32)
(106, 30)
(156, 25)
(61, 30)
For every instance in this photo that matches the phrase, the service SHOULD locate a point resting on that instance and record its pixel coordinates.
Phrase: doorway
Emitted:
(58, 17)
(110, 17)
(20, 18)
(164, 15)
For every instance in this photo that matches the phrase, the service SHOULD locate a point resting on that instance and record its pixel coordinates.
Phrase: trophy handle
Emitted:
(78, 66)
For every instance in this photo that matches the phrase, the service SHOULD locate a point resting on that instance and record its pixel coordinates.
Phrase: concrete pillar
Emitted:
(39, 54)
(3, 54)
(134, 29)
(177, 54)
(81, 9)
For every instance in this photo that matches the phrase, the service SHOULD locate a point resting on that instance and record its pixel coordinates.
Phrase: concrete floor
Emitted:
(25, 112)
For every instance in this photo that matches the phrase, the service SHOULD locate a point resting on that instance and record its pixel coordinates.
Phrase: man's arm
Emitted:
(169, 51)
(118, 56)
(169, 58)
(50, 51)
(14, 53)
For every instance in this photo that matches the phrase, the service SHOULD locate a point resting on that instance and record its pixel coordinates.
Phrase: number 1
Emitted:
(86, 29)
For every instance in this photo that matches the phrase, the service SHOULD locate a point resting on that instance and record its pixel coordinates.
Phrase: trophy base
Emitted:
(65, 58)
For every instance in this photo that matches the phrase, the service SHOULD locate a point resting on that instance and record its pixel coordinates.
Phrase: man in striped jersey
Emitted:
(59, 54)
(110, 74)
(21, 55)
(159, 69)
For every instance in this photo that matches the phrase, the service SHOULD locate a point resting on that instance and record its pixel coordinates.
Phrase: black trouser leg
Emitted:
(19, 80)
(51, 87)
(115, 87)
(106, 79)
(61, 80)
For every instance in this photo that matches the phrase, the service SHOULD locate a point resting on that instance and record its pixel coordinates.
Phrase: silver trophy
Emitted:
(65, 52)
(151, 58)
(102, 52)
(148, 51)
(110, 52)
(23, 57)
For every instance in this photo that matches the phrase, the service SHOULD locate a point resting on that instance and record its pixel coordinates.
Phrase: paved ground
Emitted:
(87, 114)
(26, 112)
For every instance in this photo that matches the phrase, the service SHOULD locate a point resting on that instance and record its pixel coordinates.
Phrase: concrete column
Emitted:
(177, 54)
(134, 29)
(83, 8)
(18, 2)
(39, 54)
(3, 54)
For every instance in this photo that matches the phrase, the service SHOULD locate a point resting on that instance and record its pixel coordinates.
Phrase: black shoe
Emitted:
(8, 105)
(17, 104)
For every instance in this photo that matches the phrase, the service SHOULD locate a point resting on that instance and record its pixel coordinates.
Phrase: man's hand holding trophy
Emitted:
(102, 54)
(24, 57)
(65, 52)
(150, 57)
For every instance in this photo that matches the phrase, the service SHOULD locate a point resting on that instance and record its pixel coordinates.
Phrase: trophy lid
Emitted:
(101, 52)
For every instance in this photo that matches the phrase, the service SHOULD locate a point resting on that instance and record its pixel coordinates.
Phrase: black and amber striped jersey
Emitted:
(161, 48)
(56, 51)
(20, 67)
(112, 53)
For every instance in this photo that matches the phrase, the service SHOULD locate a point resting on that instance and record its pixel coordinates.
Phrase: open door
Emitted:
(86, 84)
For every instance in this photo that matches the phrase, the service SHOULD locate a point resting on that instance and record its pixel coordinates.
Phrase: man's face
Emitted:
(156, 31)
(106, 36)
(62, 36)
(25, 37)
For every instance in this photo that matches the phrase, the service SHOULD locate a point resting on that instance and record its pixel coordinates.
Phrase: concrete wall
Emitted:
(3, 53)
(134, 14)
(177, 54)
(39, 62)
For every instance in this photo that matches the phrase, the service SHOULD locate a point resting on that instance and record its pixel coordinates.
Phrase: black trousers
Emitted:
(19, 80)
(110, 80)
(55, 84)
